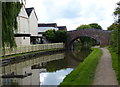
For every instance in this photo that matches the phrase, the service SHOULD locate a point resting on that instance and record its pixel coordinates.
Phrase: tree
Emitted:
(112, 27)
(50, 35)
(60, 36)
(115, 43)
(56, 36)
(86, 41)
(95, 26)
(117, 13)
(84, 26)
(9, 22)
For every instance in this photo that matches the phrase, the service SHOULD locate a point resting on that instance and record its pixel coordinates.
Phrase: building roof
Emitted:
(62, 27)
(47, 25)
(29, 11)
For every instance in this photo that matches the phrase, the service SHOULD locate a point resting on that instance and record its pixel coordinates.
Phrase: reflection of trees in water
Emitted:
(55, 65)
(71, 60)
(81, 47)
(68, 62)
(81, 53)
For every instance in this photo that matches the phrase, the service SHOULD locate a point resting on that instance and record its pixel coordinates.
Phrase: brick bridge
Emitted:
(102, 36)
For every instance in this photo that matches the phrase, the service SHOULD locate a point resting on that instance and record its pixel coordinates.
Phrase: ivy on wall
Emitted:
(10, 11)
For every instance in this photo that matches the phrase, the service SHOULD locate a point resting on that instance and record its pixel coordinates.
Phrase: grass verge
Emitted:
(115, 63)
(85, 71)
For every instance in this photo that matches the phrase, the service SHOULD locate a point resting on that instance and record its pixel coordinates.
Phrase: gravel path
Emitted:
(105, 74)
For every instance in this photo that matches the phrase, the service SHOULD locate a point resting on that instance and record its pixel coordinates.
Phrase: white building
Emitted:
(42, 27)
(27, 32)
(33, 25)
(22, 35)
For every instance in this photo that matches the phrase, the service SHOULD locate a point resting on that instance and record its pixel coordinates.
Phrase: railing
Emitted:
(31, 48)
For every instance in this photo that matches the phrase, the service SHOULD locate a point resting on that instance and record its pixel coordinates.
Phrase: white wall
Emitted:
(25, 40)
(23, 23)
(23, 26)
(18, 41)
(22, 41)
(23, 12)
(33, 25)
(27, 80)
(33, 79)
(35, 76)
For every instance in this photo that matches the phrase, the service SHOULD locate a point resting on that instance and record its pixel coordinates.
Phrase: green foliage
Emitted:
(9, 22)
(115, 63)
(84, 26)
(87, 41)
(56, 36)
(85, 71)
(115, 42)
(50, 35)
(117, 13)
(55, 65)
(95, 26)
(112, 27)
(60, 36)
(80, 52)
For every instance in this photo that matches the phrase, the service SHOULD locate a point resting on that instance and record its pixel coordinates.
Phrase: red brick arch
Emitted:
(102, 36)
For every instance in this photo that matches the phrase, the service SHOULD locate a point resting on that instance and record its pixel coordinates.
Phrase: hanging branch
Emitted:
(9, 23)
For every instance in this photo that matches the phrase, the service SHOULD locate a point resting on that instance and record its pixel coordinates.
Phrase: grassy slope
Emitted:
(84, 73)
(115, 64)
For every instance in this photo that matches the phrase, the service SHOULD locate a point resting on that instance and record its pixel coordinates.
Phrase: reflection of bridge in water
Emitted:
(28, 72)
(22, 73)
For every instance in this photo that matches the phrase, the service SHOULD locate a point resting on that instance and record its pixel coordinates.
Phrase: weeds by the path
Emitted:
(115, 63)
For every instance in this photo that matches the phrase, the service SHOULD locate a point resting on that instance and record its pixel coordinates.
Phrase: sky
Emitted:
(54, 78)
(73, 13)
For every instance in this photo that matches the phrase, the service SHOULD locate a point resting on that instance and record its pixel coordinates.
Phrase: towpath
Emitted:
(105, 75)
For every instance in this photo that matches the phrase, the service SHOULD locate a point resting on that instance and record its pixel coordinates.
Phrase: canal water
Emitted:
(45, 70)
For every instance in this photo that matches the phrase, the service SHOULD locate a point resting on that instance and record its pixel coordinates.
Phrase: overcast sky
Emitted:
(72, 13)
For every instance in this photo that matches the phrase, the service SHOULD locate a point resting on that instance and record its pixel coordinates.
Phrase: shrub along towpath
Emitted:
(105, 74)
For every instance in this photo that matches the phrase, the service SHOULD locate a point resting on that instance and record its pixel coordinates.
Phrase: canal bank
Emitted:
(23, 57)
(25, 72)
(40, 70)
(27, 52)
(85, 71)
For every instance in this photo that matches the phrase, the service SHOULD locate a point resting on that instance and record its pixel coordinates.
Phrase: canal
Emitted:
(44, 70)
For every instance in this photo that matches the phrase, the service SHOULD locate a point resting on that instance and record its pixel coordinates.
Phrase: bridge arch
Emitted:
(71, 43)
(102, 36)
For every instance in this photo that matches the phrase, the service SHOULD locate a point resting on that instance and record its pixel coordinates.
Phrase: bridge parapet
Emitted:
(102, 36)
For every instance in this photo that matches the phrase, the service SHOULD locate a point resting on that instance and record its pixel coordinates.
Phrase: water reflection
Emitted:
(54, 78)
(44, 70)
(22, 73)
(57, 70)
(81, 53)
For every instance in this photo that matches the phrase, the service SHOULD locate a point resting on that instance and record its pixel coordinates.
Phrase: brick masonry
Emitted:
(102, 36)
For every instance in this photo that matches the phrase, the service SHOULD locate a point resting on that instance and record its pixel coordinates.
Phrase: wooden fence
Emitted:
(31, 48)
